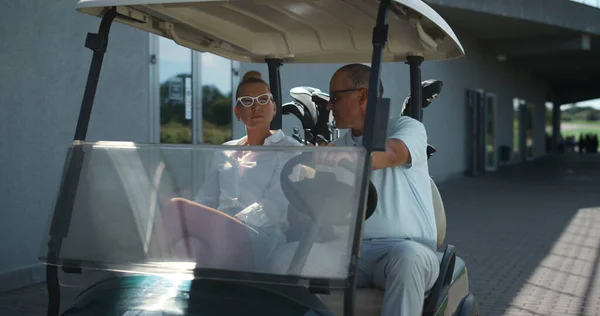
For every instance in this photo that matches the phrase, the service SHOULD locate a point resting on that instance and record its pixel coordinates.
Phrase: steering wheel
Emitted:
(312, 198)
(315, 186)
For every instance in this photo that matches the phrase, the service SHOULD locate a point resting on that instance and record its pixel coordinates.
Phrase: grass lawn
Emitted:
(576, 128)
(177, 133)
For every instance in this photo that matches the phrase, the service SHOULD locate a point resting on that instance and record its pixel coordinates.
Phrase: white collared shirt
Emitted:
(247, 185)
(405, 205)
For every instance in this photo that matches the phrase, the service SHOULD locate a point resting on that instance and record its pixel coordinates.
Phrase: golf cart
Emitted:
(157, 250)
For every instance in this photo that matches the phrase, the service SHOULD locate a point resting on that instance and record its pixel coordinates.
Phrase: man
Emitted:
(400, 237)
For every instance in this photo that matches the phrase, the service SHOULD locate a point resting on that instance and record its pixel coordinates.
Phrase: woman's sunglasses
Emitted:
(249, 101)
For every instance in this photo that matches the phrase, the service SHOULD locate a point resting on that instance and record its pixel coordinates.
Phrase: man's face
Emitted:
(347, 102)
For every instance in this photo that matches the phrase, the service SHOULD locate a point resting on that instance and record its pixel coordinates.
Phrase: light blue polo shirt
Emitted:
(405, 206)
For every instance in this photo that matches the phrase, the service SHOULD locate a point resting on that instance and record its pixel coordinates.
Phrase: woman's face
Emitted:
(255, 113)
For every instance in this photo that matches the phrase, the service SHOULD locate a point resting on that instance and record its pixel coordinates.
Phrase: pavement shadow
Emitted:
(530, 235)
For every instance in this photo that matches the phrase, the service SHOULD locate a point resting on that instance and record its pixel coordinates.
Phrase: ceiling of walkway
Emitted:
(558, 41)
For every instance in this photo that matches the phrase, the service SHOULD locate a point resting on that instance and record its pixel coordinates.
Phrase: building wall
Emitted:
(44, 67)
(445, 119)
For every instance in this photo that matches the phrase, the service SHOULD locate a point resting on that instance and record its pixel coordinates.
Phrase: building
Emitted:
(521, 54)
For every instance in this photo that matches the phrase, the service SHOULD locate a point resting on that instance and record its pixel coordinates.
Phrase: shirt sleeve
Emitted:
(412, 133)
(270, 212)
(209, 194)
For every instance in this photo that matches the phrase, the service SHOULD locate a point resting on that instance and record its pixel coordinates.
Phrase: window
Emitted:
(194, 95)
(176, 92)
(217, 108)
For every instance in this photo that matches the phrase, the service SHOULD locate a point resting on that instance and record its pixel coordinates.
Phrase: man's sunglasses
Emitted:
(333, 95)
(247, 101)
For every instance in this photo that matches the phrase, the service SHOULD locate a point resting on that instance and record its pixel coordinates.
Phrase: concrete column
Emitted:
(555, 126)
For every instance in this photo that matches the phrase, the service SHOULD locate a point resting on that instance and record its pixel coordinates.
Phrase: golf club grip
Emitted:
(321, 138)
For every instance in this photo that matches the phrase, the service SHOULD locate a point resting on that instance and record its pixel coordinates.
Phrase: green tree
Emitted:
(216, 107)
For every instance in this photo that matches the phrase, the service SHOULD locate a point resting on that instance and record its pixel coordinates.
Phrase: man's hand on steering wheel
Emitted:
(333, 158)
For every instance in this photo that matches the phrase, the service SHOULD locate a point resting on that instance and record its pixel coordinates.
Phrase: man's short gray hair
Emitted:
(360, 74)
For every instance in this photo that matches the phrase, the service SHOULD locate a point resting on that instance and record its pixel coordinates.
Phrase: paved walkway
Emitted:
(530, 236)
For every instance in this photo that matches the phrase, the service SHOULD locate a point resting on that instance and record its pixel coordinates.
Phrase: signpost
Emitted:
(175, 89)
(188, 98)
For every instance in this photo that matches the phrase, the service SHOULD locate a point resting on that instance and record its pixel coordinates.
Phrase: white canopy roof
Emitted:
(296, 31)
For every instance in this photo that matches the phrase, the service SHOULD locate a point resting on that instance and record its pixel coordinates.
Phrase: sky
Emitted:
(175, 59)
(592, 103)
(593, 3)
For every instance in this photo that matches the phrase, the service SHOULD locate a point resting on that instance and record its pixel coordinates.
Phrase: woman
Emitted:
(240, 214)
(251, 74)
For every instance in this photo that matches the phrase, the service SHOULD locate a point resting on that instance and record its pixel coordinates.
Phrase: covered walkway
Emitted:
(530, 236)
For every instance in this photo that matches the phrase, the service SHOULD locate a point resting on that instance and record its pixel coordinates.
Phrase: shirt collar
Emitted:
(356, 140)
(276, 137)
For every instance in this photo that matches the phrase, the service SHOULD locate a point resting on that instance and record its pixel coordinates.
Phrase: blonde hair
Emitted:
(251, 74)
(250, 80)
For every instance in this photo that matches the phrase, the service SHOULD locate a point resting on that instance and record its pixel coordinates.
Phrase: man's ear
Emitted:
(274, 108)
(364, 98)
(235, 110)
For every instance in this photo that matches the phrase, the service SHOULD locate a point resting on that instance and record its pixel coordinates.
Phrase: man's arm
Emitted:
(406, 145)
(396, 154)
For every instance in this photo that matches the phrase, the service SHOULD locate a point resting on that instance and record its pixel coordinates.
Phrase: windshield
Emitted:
(275, 211)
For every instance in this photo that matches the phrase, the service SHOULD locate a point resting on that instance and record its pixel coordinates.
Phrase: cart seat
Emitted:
(369, 300)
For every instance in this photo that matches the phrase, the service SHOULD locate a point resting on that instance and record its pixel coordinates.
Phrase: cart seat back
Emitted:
(440, 213)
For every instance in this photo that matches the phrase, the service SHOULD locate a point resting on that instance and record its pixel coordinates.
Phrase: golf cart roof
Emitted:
(295, 31)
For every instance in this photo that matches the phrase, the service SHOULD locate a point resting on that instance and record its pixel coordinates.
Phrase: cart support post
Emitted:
(415, 108)
(275, 85)
(98, 43)
(59, 228)
(380, 37)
